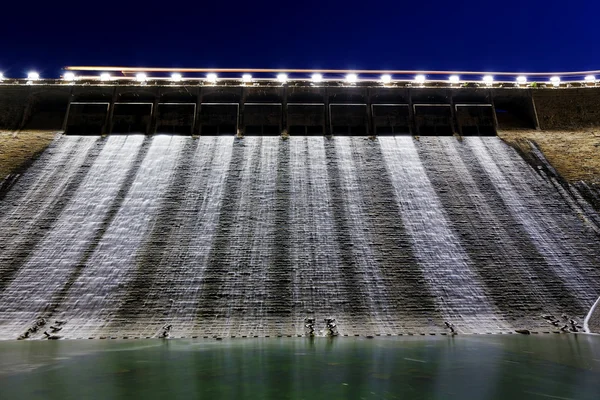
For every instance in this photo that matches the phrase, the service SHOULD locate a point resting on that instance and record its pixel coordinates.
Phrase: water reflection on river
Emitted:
(467, 367)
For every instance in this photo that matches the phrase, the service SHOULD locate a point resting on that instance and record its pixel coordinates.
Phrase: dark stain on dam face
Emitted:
(221, 236)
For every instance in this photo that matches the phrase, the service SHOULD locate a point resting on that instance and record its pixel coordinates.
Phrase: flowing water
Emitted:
(223, 237)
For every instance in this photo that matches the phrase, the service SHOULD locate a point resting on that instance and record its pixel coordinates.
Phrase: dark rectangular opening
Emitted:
(306, 119)
(433, 120)
(86, 118)
(475, 120)
(474, 130)
(431, 130)
(262, 130)
(218, 118)
(175, 118)
(131, 118)
(349, 119)
(349, 130)
(391, 119)
(392, 130)
(304, 130)
(514, 112)
(315, 130)
(262, 119)
(217, 130)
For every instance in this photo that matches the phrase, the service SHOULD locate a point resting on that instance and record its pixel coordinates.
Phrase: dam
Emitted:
(241, 210)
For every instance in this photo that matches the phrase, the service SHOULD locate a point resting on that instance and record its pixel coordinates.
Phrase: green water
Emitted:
(467, 367)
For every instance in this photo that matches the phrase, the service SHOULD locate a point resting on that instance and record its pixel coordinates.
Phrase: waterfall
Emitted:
(93, 298)
(315, 260)
(455, 285)
(32, 206)
(222, 236)
(235, 288)
(373, 289)
(55, 258)
(190, 245)
(534, 205)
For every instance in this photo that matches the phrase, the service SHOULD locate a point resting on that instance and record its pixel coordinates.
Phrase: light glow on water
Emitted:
(465, 368)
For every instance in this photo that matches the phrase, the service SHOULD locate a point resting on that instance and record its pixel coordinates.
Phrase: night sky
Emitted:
(511, 35)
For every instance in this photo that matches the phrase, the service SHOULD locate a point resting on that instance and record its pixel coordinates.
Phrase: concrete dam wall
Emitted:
(224, 236)
(264, 109)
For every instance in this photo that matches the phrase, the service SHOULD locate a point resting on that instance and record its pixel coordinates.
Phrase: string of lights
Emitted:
(420, 78)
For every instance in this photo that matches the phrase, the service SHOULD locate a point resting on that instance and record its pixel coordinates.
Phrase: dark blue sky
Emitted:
(509, 35)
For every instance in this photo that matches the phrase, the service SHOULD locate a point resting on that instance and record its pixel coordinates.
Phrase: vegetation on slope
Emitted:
(17, 151)
(574, 154)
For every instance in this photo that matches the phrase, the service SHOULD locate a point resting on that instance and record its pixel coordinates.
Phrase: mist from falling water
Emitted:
(450, 278)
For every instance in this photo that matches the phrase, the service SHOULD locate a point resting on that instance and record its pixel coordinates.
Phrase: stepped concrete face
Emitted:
(224, 236)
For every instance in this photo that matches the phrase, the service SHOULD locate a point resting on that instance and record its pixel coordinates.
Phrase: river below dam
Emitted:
(461, 367)
(225, 237)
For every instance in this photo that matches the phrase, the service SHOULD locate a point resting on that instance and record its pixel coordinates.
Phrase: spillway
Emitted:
(224, 236)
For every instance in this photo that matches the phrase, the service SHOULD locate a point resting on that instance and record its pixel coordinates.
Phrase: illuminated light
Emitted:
(176, 77)
(212, 77)
(555, 81)
(351, 78)
(317, 78)
(454, 79)
(105, 76)
(33, 76)
(141, 77)
(488, 80)
(282, 78)
(1, 76)
(247, 78)
(521, 80)
(588, 78)
(69, 76)
(386, 78)
(420, 79)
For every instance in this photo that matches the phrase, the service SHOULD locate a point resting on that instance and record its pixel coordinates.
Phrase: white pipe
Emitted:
(586, 327)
